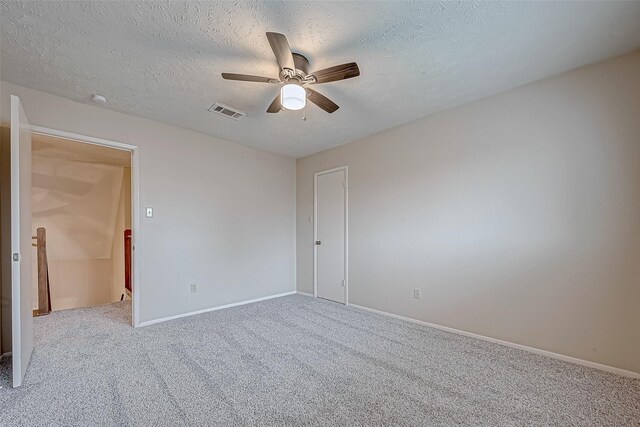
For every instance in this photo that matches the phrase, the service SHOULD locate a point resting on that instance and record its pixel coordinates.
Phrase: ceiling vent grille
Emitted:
(225, 110)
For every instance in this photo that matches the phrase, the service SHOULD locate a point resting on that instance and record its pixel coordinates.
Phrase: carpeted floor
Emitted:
(296, 361)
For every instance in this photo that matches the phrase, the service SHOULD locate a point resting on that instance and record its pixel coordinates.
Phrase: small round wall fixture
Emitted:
(99, 99)
(293, 97)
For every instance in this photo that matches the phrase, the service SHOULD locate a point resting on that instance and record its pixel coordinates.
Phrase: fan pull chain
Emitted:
(304, 113)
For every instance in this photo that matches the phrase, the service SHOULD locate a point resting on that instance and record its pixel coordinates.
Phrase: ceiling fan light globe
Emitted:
(293, 97)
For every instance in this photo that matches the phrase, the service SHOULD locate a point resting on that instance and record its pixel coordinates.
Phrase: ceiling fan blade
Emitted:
(281, 50)
(248, 78)
(322, 101)
(337, 72)
(275, 106)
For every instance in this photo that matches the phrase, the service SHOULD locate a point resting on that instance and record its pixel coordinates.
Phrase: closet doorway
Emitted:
(82, 202)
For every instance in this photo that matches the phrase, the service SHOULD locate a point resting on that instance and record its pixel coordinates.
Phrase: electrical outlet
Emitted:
(417, 293)
(149, 212)
(194, 287)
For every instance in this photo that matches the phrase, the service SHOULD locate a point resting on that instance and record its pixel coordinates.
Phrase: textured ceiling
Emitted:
(162, 60)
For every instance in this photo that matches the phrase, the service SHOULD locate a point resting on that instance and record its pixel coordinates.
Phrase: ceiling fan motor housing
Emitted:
(300, 73)
(301, 62)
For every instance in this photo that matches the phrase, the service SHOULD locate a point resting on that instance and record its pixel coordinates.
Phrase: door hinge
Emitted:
(344, 184)
(344, 283)
(16, 257)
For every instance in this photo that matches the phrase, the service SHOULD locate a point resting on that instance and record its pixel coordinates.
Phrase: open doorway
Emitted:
(81, 223)
(61, 179)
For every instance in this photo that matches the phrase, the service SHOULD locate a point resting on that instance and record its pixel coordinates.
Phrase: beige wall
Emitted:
(80, 283)
(224, 214)
(85, 240)
(518, 216)
(78, 203)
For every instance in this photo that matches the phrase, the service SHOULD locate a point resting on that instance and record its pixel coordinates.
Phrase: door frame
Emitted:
(135, 205)
(346, 229)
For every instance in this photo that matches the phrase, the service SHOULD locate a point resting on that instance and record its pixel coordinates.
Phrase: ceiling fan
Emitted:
(294, 73)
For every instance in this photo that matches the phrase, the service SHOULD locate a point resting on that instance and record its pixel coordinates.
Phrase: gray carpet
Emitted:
(296, 361)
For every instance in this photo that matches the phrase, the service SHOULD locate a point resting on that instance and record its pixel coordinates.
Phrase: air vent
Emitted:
(225, 110)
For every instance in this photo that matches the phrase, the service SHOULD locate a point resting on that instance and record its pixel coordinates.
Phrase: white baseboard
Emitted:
(304, 293)
(558, 356)
(220, 307)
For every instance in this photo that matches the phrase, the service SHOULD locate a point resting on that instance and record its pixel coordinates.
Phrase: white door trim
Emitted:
(346, 230)
(135, 205)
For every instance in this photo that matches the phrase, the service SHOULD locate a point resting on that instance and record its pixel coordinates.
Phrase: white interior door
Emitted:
(21, 302)
(331, 235)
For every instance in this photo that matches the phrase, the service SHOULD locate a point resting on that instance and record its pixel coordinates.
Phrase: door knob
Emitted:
(318, 242)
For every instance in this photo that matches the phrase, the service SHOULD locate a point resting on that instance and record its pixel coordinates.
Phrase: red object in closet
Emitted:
(127, 260)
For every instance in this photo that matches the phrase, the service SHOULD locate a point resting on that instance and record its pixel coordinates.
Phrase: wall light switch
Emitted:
(149, 212)
(194, 287)
(417, 293)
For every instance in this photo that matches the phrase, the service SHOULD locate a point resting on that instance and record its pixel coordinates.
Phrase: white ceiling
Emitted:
(163, 60)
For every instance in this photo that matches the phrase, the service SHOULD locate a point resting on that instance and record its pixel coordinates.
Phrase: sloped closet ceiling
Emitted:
(75, 196)
(162, 60)
(77, 203)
